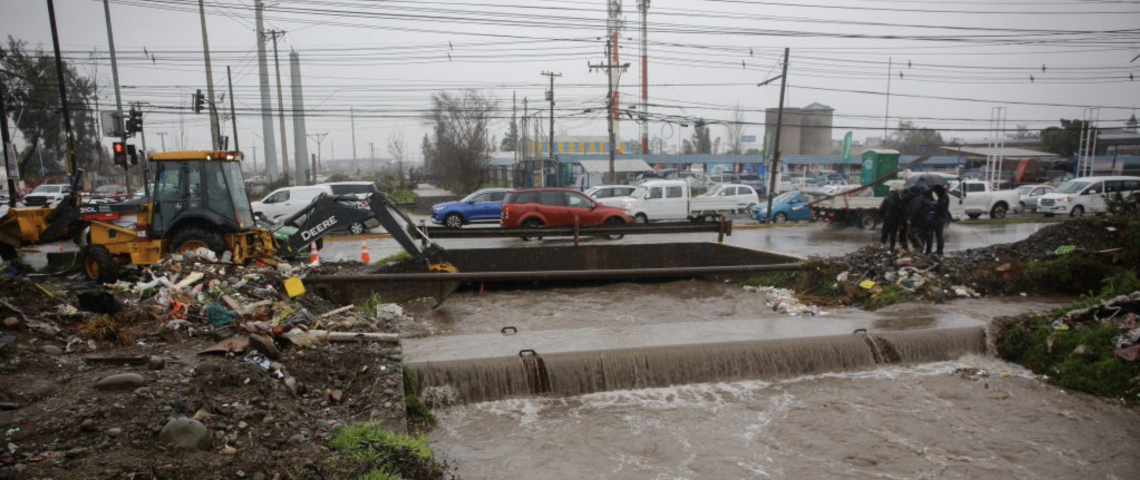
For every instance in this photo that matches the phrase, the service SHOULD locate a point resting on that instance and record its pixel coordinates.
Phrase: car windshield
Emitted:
(1072, 187)
(639, 192)
(1024, 190)
(784, 197)
(472, 196)
(713, 191)
(46, 189)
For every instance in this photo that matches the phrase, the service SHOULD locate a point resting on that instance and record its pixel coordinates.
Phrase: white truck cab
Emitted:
(1083, 195)
(664, 200)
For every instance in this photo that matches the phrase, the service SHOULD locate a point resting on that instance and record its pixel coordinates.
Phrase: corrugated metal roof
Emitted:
(1004, 152)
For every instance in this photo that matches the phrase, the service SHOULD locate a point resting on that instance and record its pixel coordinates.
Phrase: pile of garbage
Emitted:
(194, 368)
(783, 300)
(1123, 311)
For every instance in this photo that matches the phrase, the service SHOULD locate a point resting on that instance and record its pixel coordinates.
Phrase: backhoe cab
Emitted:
(198, 201)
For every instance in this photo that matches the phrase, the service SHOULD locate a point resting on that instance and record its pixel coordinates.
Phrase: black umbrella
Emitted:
(929, 179)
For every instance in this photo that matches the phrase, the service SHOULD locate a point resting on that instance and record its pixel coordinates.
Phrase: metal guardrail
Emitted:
(554, 274)
(724, 226)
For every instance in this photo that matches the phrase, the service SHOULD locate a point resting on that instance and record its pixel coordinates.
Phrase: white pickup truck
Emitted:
(863, 212)
(981, 200)
(663, 200)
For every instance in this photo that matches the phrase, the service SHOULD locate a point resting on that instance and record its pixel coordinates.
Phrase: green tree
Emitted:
(911, 139)
(511, 139)
(701, 142)
(32, 88)
(1066, 139)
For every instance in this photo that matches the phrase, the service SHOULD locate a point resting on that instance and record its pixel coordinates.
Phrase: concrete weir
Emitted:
(568, 373)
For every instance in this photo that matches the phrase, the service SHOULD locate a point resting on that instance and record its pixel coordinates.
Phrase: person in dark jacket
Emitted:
(942, 217)
(891, 211)
(917, 216)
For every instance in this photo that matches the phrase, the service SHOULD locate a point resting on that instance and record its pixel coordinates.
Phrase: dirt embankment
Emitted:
(115, 384)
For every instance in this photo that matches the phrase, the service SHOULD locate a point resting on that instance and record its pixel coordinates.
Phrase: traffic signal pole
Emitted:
(118, 97)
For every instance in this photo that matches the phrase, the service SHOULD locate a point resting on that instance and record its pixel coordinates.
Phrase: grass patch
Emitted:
(403, 196)
(777, 279)
(419, 417)
(1037, 345)
(372, 305)
(890, 295)
(372, 453)
(399, 257)
(1073, 274)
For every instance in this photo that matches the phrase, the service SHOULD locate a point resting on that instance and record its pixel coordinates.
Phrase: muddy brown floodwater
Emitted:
(629, 304)
(902, 422)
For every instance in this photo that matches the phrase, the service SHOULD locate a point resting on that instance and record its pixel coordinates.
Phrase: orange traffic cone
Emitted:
(364, 256)
(314, 256)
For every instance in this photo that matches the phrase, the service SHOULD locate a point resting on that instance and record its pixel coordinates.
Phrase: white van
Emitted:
(1083, 195)
(283, 202)
(658, 200)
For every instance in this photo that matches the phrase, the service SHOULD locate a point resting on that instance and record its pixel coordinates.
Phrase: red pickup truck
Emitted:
(557, 207)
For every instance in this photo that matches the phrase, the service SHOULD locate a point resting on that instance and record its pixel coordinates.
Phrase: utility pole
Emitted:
(526, 147)
(887, 115)
(320, 137)
(609, 67)
(643, 5)
(372, 156)
(266, 97)
(215, 129)
(233, 111)
(163, 135)
(280, 106)
(775, 167)
(352, 119)
(550, 141)
(514, 120)
(70, 137)
(118, 96)
(7, 142)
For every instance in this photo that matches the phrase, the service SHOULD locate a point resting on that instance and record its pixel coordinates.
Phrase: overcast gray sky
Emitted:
(385, 58)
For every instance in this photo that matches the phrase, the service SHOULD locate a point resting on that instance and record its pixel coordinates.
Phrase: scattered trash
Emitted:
(1065, 250)
(219, 316)
(294, 287)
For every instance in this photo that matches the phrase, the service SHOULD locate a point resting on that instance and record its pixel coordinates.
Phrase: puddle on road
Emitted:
(920, 421)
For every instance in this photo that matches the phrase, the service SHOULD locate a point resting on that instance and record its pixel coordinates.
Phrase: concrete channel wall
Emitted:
(564, 374)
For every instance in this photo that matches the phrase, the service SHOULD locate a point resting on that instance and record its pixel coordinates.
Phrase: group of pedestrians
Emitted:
(916, 217)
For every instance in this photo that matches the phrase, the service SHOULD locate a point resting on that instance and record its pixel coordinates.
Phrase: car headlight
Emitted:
(436, 208)
(1065, 199)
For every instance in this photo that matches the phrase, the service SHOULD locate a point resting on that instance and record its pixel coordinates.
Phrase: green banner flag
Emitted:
(847, 148)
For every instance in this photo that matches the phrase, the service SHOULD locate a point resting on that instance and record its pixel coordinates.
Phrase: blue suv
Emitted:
(479, 207)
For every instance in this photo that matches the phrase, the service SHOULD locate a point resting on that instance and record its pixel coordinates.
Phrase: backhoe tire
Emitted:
(191, 238)
(7, 252)
(98, 264)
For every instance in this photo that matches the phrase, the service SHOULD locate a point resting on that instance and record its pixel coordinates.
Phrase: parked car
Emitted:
(610, 195)
(1086, 195)
(47, 195)
(283, 202)
(744, 196)
(1029, 196)
(110, 193)
(658, 200)
(786, 207)
(483, 206)
(752, 180)
(980, 199)
(557, 207)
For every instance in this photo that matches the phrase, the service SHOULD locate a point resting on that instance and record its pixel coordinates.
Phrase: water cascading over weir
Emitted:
(562, 374)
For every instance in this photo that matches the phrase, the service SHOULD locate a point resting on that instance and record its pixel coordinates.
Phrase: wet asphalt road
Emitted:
(802, 240)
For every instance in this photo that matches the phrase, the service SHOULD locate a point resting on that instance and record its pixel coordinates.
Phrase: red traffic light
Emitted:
(118, 148)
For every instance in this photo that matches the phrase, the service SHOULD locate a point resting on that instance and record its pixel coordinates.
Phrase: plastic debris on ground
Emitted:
(783, 300)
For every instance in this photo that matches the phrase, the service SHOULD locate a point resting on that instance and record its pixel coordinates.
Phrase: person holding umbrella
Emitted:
(942, 217)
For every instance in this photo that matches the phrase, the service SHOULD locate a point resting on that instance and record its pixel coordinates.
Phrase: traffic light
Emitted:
(134, 122)
(199, 101)
(133, 154)
(120, 153)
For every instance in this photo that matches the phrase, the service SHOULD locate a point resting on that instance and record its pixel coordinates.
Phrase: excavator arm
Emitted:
(326, 212)
(33, 226)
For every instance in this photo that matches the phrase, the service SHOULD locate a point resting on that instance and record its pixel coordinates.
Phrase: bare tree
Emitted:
(459, 124)
(396, 148)
(735, 131)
